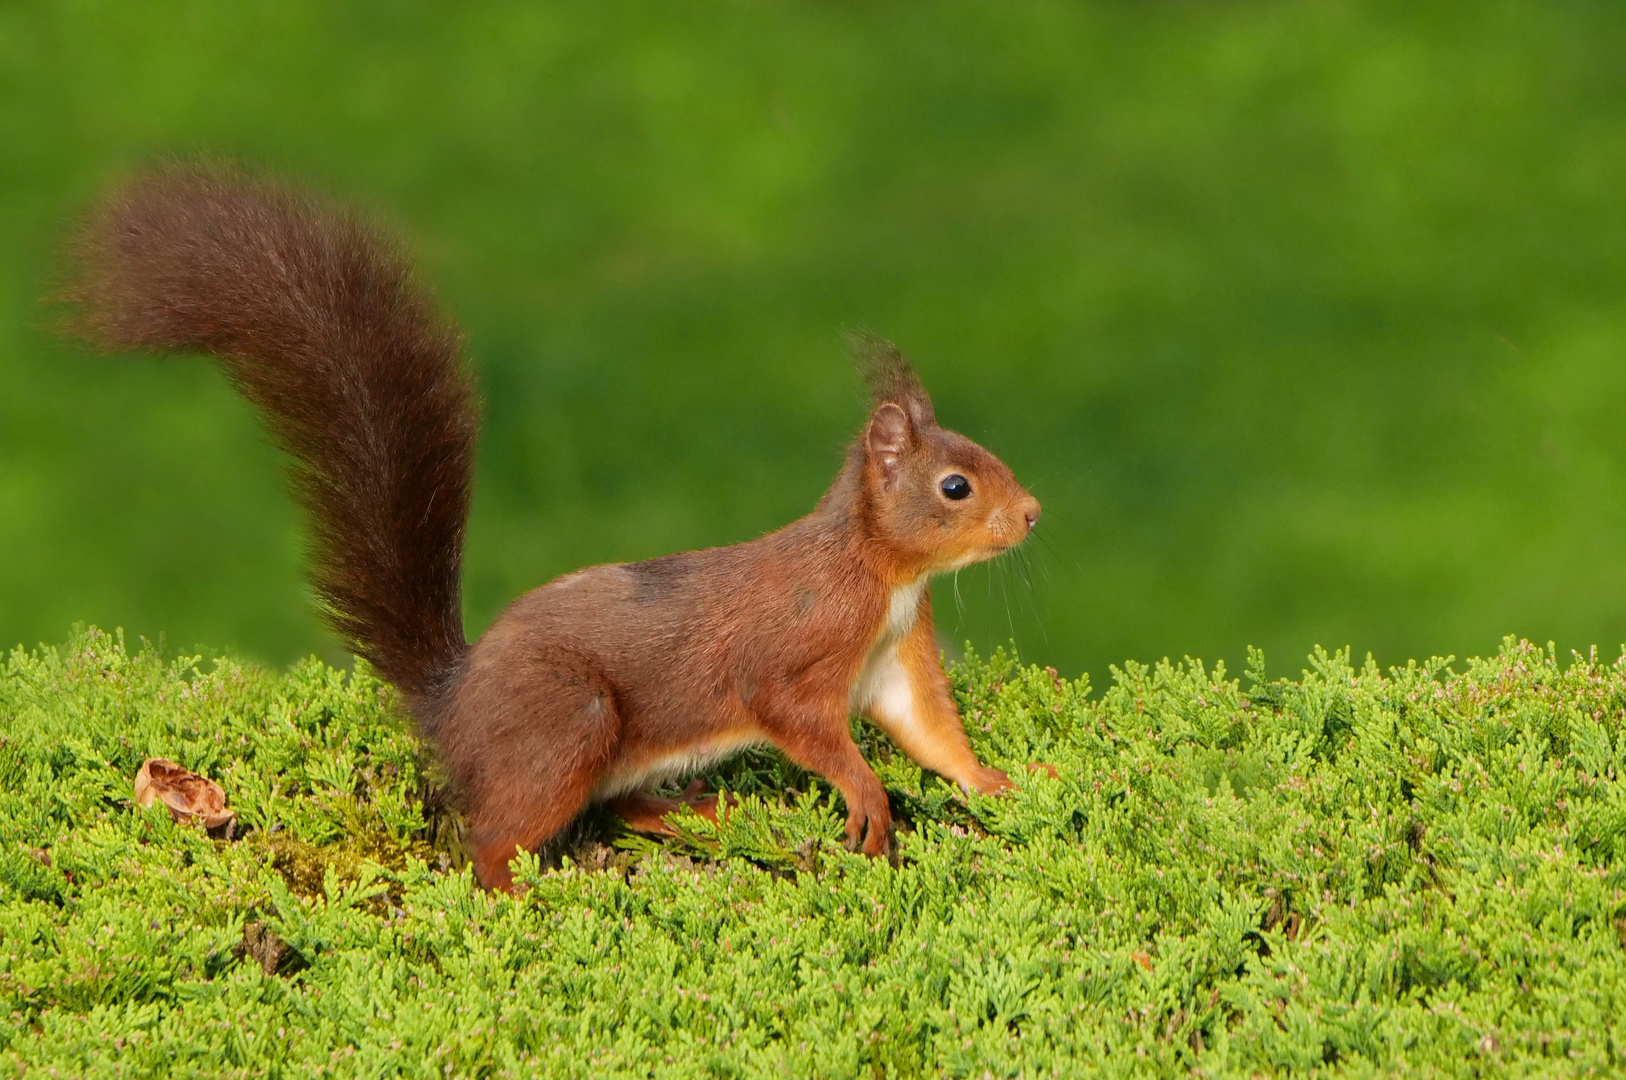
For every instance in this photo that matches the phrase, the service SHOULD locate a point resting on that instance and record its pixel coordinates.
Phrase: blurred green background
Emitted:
(1305, 320)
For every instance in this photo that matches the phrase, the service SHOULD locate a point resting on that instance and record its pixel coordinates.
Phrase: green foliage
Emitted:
(1304, 320)
(1419, 871)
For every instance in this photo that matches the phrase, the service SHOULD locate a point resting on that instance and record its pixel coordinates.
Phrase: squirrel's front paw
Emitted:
(869, 826)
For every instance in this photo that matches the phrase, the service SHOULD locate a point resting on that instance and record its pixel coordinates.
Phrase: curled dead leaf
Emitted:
(1143, 959)
(184, 792)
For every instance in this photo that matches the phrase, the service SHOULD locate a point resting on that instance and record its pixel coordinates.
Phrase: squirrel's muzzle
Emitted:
(1030, 513)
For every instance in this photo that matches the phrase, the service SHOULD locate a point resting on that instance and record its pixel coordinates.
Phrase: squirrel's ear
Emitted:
(890, 435)
(891, 377)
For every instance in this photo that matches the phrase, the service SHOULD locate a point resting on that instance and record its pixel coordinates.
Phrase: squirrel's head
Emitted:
(936, 498)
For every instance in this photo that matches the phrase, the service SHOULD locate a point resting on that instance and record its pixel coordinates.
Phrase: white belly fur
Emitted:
(672, 766)
(882, 687)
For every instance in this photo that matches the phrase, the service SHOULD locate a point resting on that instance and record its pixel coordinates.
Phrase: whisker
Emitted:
(1005, 595)
(1043, 565)
(1024, 562)
(1051, 547)
(1038, 614)
(1048, 549)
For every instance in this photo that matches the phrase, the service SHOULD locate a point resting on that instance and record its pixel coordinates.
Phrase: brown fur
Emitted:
(606, 681)
(320, 324)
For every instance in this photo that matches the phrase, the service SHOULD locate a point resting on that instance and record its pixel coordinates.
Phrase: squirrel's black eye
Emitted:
(956, 486)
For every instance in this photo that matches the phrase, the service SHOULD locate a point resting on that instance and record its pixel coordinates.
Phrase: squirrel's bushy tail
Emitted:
(320, 323)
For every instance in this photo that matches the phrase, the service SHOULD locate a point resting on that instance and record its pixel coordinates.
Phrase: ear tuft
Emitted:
(890, 435)
(890, 376)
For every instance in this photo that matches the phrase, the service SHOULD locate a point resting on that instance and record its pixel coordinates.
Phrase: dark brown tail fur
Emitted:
(319, 322)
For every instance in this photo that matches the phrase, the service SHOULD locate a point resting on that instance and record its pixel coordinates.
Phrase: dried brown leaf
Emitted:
(184, 792)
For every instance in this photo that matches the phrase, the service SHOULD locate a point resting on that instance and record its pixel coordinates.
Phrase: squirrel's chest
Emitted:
(882, 680)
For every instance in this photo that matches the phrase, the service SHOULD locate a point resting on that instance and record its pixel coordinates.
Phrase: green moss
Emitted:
(1351, 873)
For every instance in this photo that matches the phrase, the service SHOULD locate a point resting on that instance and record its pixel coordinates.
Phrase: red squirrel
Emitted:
(603, 683)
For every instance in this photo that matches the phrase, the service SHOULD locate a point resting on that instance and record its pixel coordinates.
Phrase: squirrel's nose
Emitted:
(1031, 514)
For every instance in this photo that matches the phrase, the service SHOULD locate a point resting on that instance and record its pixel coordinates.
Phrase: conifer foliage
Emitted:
(1359, 871)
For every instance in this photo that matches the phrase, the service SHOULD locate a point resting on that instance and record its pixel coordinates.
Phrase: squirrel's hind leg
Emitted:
(647, 813)
(538, 770)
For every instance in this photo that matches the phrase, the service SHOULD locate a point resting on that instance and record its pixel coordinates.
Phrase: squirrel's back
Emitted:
(320, 323)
